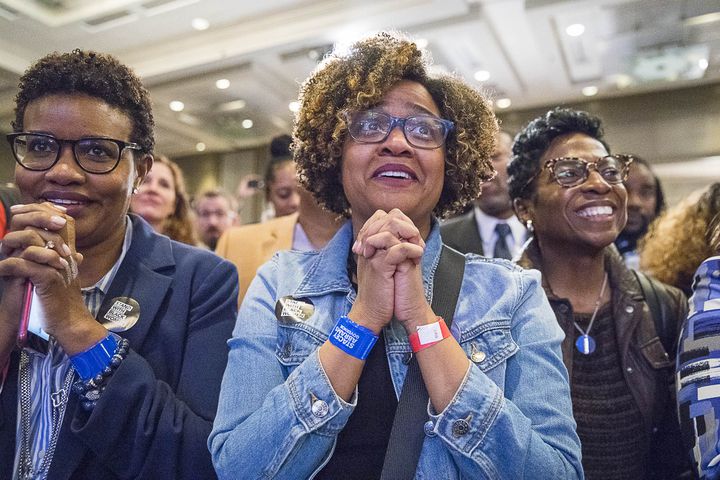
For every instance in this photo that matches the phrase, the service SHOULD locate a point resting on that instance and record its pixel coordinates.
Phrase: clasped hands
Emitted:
(389, 249)
(36, 251)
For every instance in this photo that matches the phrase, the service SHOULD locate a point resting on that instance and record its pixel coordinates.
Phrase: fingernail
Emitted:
(355, 246)
(16, 207)
(60, 207)
(66, 250)
(64, 262)
(58, 220)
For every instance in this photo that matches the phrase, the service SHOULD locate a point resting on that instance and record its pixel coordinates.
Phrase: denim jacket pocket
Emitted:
(489, 345)
(295, 342)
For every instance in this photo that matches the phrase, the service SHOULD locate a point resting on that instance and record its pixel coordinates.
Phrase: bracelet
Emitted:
(428, 335)
(93, 360)
(353, 339)
(91, 390)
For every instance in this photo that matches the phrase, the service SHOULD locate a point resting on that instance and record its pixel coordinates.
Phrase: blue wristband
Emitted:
(96, 358)
(352, 338)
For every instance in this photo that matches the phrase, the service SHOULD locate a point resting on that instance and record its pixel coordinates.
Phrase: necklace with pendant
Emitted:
(585, 343)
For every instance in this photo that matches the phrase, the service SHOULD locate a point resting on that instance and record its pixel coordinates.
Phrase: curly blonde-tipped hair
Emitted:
(357, 79)
(681, 238)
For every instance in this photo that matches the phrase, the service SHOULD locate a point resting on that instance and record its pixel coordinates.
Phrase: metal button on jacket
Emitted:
(629, 309)
(319, 408)
(428, 428)
(460, 428)
(478, 356)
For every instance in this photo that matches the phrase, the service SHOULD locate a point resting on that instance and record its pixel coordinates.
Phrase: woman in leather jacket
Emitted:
(568, 189)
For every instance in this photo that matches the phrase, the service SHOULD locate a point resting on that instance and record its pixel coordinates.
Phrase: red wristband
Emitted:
(428, 335)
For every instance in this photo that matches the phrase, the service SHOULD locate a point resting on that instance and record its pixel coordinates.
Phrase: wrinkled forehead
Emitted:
(575, 145)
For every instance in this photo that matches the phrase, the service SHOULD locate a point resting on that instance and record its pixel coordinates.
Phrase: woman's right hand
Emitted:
(386, 240)
(28, 257)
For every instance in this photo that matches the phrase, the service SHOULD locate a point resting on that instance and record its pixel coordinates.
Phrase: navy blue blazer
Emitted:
(155, 416)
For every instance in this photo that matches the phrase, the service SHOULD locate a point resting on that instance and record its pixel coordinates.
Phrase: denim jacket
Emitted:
(279, 416)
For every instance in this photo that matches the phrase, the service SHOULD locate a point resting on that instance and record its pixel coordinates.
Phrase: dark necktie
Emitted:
(501, 246)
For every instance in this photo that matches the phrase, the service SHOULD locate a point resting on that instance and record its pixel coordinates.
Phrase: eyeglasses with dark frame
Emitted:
(421, 131)
(572, 171)
(40, 152)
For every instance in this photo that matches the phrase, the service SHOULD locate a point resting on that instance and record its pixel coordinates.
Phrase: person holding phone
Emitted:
(127, 385)
(324, 340)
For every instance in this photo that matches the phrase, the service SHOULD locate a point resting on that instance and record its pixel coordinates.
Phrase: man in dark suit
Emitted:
(491, 227)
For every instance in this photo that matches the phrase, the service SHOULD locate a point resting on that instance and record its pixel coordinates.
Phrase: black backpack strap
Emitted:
(408, 434)
(664, 324)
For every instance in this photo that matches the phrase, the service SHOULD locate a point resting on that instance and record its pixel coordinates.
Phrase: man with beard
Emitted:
(491, 227)
(215, 212)
(645, 202)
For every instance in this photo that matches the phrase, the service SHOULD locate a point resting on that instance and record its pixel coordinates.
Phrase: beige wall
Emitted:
(224, 170)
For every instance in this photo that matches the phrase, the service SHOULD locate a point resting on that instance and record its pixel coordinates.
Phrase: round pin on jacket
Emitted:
(121, 315)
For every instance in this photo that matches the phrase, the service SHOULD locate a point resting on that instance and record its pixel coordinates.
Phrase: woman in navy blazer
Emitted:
(138, 323)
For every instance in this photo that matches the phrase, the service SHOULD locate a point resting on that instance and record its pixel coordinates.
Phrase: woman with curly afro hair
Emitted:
(679, 239)
(326, 341)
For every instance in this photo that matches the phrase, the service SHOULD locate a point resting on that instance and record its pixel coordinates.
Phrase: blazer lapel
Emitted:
(469, 236)
(139, 279)
(8, 417)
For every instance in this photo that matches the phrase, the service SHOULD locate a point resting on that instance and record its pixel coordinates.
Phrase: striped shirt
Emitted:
(49, 370)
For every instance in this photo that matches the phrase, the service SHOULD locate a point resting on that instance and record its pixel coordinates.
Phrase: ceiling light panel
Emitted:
(580, 39)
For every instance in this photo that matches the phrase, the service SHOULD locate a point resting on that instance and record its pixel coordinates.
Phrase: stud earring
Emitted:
(135, 190)
(529, 226)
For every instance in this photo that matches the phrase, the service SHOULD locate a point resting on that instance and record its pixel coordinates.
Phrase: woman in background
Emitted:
(163, 202)
(678, 240)
(281, 186)
(568, 189)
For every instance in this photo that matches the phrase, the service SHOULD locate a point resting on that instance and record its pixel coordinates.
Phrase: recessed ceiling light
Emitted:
(294, 106)
(177, 106)
(200, 23)
(421, 43)
(247, 123)
(200, 147)
(231, 106)
(503, 102)
(703, 63)
(589, 91)
(482, 75)
(575, 30)
(222, 84)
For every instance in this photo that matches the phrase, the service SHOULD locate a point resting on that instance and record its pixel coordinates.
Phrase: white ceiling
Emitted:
(265, 48)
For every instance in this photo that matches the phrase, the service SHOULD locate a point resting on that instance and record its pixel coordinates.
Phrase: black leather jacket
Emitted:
(647, 366)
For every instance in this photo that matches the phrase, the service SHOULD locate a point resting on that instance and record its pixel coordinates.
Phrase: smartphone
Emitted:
(256, 184)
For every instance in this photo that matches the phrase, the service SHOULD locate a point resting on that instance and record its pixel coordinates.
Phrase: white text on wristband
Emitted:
(352, 338)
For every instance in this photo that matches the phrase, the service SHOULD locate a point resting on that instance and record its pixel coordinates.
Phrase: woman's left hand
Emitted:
(395, 233)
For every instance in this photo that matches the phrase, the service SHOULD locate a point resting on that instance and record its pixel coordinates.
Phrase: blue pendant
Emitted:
(585, 344)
